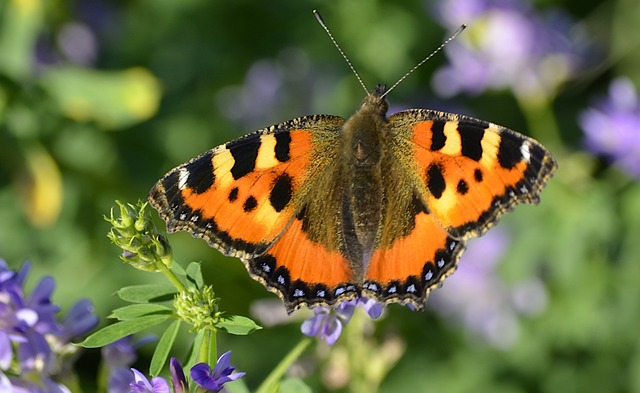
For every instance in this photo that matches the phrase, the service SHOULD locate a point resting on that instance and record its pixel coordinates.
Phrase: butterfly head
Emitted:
(375, 102)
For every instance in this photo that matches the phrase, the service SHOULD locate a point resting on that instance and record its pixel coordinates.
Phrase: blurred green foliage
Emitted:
(98, 99)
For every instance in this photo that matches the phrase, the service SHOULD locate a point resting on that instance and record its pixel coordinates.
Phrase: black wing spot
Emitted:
(233, 194)
(509, 154)
(201, 176)
(471, 140)
(250, 204)
(477, 175)
(281, 192)
(462, 187)
(244, 153)
(435, 181)
(438, 138)
(283, 140)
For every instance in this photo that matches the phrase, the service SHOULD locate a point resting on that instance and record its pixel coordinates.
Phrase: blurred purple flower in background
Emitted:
(477, 298)
(507, 45)
(612, 126)
(327, 323)
(271, 86)
(35, 348)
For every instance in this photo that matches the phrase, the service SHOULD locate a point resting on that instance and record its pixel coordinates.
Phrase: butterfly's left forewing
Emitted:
(249, 198)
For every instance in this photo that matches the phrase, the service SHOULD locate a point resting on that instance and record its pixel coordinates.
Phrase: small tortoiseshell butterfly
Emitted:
(321, 209)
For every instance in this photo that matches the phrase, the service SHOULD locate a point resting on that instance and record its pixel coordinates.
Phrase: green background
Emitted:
(165, 76)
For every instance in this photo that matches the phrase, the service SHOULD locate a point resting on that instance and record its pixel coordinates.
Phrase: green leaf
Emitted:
(238, 325)
(194, 274)
(118, 330)
(293, 385)
(146, 293)
(138, 310)
(178, 269)
(19, 28)
(194, 350)
(163, 348)
(113, 99)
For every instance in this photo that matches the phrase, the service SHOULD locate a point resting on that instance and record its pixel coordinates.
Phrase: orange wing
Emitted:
(466, 174)
(473, 171)
(243, 197)
(412, 265)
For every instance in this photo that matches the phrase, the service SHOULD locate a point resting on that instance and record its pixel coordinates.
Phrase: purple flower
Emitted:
(178, 379)
(118, 357)
(478, 299)
(612, 126)
(25, 321)
(79, 321)
(213, 380)
(507, 45)
(372, 307)
(31, 333)
(143, 385)
(327, 323)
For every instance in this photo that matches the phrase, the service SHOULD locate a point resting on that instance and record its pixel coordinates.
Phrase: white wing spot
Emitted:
(452, 245)
(392, 289)
(183, 216)
(267, 268)
(195, 218)
(183, 177)
(320, 293)
(524, 150)
(441, 262)
(428, 276)
(411, 288)
(339, 291)
(373, 287)
(298, 293)
(280, 280)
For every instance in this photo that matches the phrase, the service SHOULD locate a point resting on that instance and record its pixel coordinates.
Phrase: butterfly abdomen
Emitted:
(363, 140)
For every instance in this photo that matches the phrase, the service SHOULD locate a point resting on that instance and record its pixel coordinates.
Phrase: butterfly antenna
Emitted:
(324, 26)
(438, 49)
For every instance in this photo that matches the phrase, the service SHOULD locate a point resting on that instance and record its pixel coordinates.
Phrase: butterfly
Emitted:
(323, 210)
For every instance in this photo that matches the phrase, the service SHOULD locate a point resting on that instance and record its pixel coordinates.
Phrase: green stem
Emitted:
(170, 276)
(203, 354)
(273, 379)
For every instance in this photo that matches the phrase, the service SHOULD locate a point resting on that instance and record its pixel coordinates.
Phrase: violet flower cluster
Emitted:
(36, 354)
(206, 378)
(327, 323)
(508, 45)
(612, 126)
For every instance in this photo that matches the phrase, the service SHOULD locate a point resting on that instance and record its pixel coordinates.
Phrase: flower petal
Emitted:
(202, 375)
(223, 363)
(178, 379)
(331, 331)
